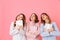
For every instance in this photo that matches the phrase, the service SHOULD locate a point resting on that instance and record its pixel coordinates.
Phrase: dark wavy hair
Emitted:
(43, 21)
(24, 19)
(36, 18)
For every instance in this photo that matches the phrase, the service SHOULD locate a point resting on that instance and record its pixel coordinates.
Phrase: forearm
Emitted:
(14, 32)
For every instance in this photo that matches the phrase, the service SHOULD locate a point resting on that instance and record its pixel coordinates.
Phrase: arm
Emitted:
(22, 32)
(27, 30)
(13, 31)
(56, 31)
(43, 34)
(37, 30)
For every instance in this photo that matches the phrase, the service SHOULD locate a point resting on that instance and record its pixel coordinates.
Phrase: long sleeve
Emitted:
(32, 31)
(22, 32)
(56, 31)
(12, 30)
(27, 31)
(43, 34)
(37, 30)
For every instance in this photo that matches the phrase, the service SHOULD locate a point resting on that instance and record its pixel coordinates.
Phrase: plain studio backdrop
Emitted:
(10, 8)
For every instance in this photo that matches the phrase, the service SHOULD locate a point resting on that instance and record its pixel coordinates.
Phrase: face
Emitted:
(44, 17)
(33, 17)
(20, 17)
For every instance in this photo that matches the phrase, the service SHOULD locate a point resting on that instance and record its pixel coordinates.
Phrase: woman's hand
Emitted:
(21, 27)
(45, 29)
(17, 27)
(50, 30)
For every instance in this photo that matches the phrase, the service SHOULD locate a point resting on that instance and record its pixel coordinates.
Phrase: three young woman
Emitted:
(30, 31)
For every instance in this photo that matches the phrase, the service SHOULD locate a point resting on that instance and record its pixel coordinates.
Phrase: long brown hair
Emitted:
(43, 21)
(24, 19)
(36, 18)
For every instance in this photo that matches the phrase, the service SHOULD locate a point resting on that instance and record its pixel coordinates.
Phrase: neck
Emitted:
(33, 21)
(46, 21)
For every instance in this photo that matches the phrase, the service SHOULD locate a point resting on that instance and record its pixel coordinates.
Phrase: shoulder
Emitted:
(28, 23)
(41, 24)
(12, 25)
(12, 22)
(37, 24)
(53, 23)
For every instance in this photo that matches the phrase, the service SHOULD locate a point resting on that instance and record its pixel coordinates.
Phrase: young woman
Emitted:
(17, 28)
(32, 28)
(48, 29)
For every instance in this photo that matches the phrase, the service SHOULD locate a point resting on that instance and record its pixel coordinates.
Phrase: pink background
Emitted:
(10, 8)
